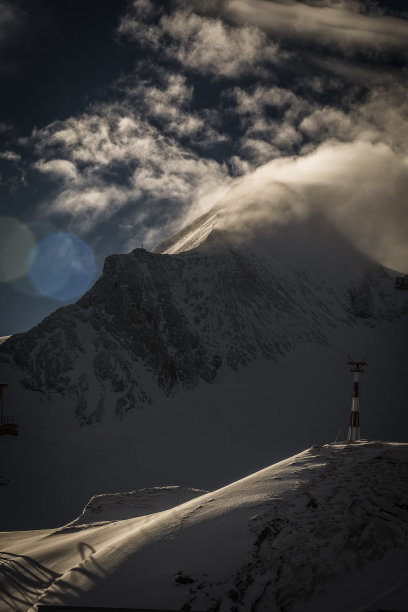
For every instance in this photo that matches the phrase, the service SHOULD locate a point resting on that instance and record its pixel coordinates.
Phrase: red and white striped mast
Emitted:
(354, 427)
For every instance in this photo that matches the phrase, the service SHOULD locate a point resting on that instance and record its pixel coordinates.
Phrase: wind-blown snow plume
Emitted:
(368, 206)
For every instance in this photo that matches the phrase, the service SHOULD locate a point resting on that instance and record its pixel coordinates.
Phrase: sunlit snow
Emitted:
(323, 530)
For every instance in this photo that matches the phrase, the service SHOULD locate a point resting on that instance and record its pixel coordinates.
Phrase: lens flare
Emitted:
(63, 266)
(17, 248)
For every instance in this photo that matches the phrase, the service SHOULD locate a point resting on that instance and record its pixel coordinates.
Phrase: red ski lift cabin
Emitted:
(7, 424)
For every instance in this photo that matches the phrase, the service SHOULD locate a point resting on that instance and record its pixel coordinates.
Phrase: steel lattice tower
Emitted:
(354, 426)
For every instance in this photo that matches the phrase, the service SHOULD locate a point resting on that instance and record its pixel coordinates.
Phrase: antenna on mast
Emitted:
(356, 367)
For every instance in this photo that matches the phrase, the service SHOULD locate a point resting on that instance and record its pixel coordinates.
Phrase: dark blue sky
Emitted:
(121, 121)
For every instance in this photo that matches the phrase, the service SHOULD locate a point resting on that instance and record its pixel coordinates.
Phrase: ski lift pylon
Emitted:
(8, 426)
(401, 282)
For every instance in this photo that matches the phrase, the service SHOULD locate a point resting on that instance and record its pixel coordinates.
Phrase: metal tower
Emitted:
(7, 424)
(354, 426)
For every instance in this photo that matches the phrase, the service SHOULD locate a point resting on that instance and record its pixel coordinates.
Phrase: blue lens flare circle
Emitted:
(63, 266)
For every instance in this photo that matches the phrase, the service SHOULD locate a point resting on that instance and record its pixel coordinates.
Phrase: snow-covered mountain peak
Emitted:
(157, 323)
(293, 246)
(191, 236)
(241, 335)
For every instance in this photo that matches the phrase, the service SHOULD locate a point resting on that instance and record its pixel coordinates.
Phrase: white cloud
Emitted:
(270, 117)
(212, 47)
(10, 156)
(326, 123)
(258, 151)
(87, 205)
(276, 122)
(204, 43)
(168, 103)
(385, 114)
(85, 152)
(339, 24)
(260, 97)
(381, 118)
(58, 168)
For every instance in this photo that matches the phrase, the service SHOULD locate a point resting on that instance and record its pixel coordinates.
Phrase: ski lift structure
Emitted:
(401, 282)
(8, 426)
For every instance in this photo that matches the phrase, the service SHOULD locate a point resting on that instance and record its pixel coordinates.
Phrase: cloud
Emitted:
(135, 24)
(15, 174)
(270, 117)
(112, 158)
(341, 24)
(330, 134)
(168, 102)
(327, 122)
(277, 122)
(203, 43)
(257, 99)
(88, 205)
(4, 127)
(11, 19)
(58, 168)
(12, 23)
(10, 156)
(384, 114)
(381, 118)
(210, 46)
(360, 186)
(257, 151)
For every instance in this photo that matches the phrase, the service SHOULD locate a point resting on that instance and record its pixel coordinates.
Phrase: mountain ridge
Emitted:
(165, 322)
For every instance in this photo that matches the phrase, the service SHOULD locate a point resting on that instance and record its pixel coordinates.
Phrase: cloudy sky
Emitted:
(121, 121)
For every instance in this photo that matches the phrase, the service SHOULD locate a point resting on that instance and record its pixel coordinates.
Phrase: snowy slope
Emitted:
(119, 506)
(324, 530)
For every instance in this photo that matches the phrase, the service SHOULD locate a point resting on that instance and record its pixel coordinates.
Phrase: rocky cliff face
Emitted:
(156, 323)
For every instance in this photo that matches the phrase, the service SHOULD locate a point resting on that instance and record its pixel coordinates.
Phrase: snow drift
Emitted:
(326, 529)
